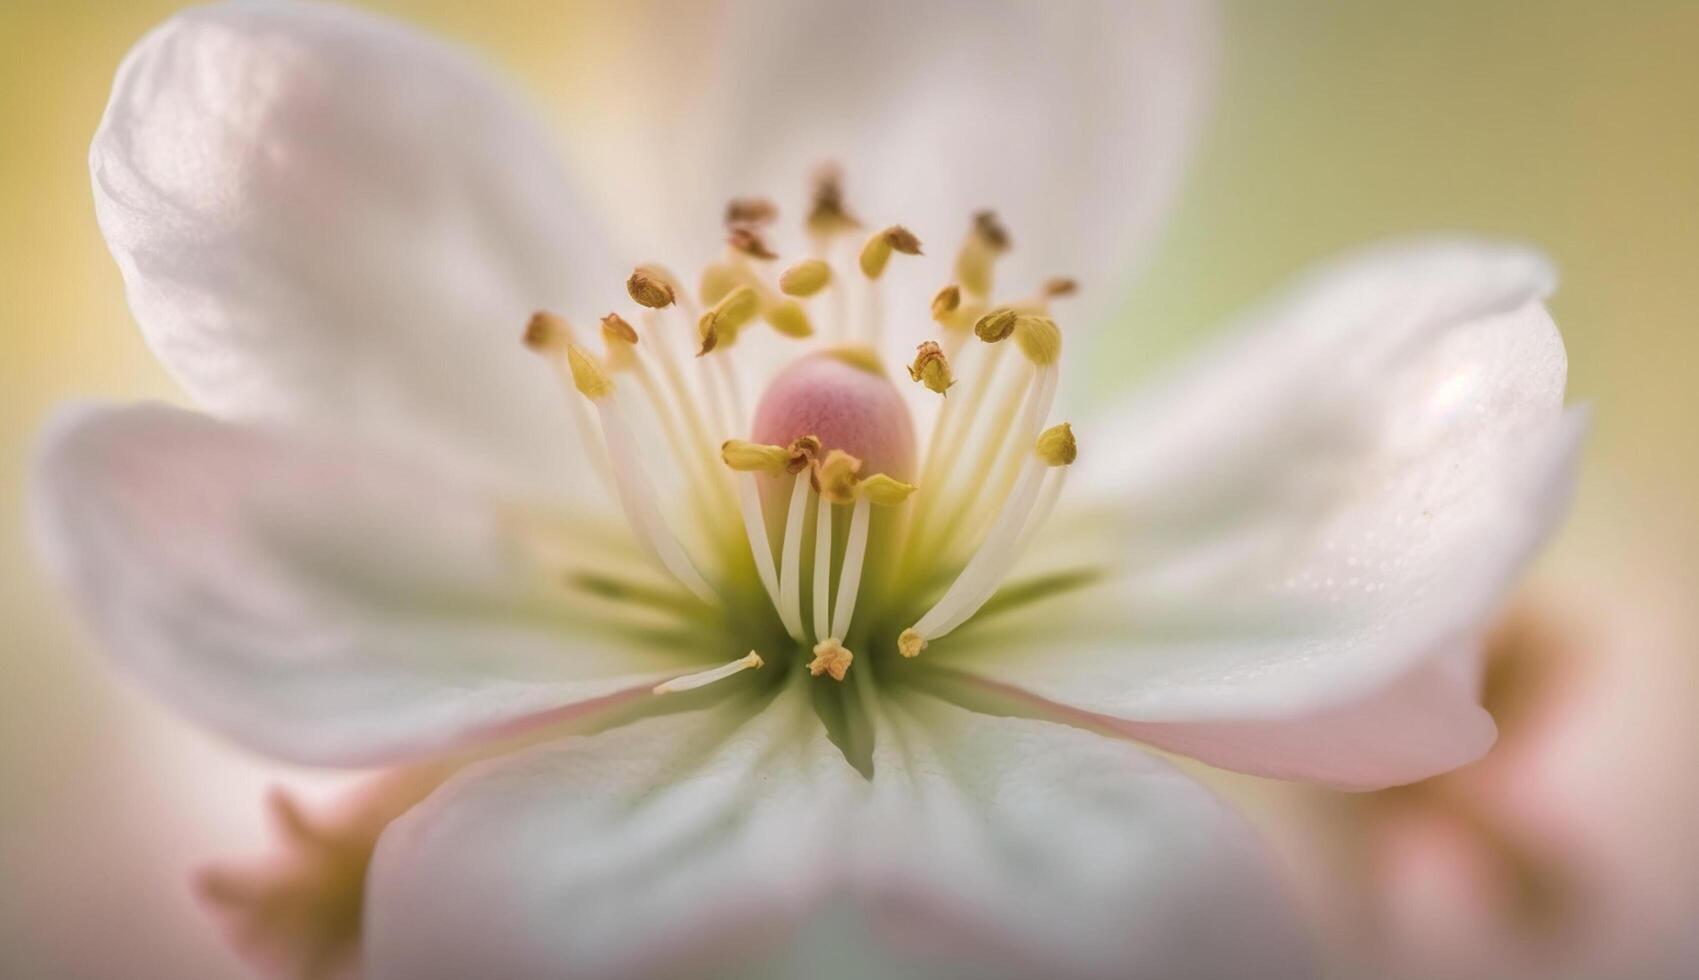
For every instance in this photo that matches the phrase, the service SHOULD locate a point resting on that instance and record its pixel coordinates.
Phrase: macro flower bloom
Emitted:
(783, 604)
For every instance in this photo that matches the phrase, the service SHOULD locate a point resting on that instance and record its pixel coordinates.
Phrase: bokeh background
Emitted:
(1573, 125)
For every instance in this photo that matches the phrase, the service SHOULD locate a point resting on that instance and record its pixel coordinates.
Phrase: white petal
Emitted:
(1071, 120)
(1298, 525)
(1022, 848)
(324, 215)
(315, 599)
(677, 844)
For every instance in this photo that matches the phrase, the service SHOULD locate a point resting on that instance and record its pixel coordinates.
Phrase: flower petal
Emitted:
(1030, 849)
(1072, 121)
(313, 598)
(322, 215)
(692, 840)
(1297, 527)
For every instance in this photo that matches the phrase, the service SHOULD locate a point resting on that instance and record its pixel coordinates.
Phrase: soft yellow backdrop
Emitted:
(1572, 125)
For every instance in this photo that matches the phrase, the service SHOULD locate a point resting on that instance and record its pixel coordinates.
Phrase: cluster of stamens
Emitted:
(990, 477)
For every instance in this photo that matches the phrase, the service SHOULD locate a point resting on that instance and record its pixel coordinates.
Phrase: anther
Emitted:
(985, 242)
(805, 278)
(1057, 287)
(649, 287)
(546, 331)
(587, 375)
(996, 326)
(826, 213)
(616, 328)
(910, 643)
(931, 369)
(750, 211)
(1056, 446)
(877, 252)
(830, 657)
(802, 453)
(883, 491)
(749, 242)
(835, 477)
(946, 301)
(1039, 338)
(753, 457)
(722, 322)
(790, 319)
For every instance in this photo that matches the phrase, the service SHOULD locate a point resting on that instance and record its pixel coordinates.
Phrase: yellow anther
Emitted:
(931, 369)
(750, 211)
(805, 278)
(1057, 287)
(996, 326)
(910, 643)
(826, 213)
(858, 356)
(881, 490)
(750, 243)
(877, 252)
(615, 328)
(587, 375)
(835, 477)
(802, 453)
(753, 457)
(830, 657)
(721, 323)
(946, 301)
(650, 287)
(979, 252)
(690, 682)
(790, 319)
(1039, 337)
(1056, 445)
(718, 279)
(546, 331)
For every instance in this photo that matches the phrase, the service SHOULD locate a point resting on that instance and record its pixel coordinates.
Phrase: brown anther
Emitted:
(1057, 287)
(990, 230)
(946, 301)
(826, 213)
(721, 324)
(902, 240)
(615, 328)
(750, 243)
(830, 657)
(803, 450)
(546, 331)
(750, 211)
(648, 287)
(931, 369)
(996, 326)
(877, 252)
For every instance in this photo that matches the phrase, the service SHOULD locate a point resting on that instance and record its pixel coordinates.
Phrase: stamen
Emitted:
(748, 241)
(979, 579)
(719, 326)
(548, 334)
(985, 242)
(827, 216)
(830, 657)
(690, 682)
(750, 211)
(876, 254)
(636, 493)
(650, 288)
(849, 574)
(931, 369)
(1058, 287)
(946, 301)
(805, 278)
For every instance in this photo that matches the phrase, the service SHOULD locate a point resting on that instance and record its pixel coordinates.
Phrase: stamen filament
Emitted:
(761, 546)
(822, 568)
(637, 499)
(691, 682)
(849, 574)
(978, 581)
(790, 571)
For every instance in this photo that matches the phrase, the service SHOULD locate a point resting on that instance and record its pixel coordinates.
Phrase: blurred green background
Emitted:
(1571, 125)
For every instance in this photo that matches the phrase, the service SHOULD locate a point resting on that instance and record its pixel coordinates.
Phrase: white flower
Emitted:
(384, 539)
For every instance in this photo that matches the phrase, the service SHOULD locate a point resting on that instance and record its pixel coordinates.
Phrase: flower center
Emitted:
(819, 503)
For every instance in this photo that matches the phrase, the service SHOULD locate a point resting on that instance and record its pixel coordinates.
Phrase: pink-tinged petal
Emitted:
(679, 845)
(322, 215)
(317, 599)
(1287, 534)
(1021, 848)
